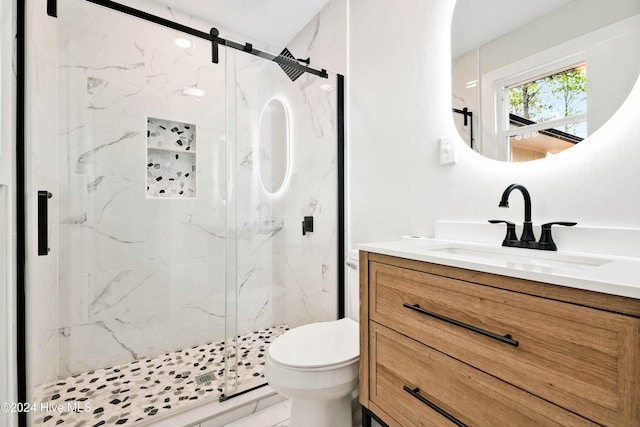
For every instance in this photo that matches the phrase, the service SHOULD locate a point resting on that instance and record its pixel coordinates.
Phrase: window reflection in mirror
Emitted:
(520, 71)
(545, 115)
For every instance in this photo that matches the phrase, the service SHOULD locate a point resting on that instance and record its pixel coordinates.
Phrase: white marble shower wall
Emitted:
(310, 261)
(302, 270)
(138, 275)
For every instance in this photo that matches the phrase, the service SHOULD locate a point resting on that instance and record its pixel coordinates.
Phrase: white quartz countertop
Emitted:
(606, 273)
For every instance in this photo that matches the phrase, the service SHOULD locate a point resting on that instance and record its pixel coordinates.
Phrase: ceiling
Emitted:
(274, 22)
(476, 22)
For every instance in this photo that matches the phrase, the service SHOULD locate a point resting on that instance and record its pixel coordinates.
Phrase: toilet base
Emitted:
(321, 413)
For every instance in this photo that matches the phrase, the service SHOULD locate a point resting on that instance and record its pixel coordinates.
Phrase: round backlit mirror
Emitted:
(274, 145)
(532, 78)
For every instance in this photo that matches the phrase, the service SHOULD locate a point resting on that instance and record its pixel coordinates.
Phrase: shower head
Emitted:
(292, 72)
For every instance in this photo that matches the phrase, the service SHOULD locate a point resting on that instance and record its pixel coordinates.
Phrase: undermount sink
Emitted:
(522, 259)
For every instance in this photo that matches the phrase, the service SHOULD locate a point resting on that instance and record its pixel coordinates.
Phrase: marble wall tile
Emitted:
(105, 151)
(42, 322)
(142, 313)
(83, 347)
(125, 293)
(185, 243)
(88, 248)
(114, 200)
(73, 305)
(324, 39)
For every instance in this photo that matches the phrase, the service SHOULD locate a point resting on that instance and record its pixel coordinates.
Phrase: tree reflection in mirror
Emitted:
(546, 114)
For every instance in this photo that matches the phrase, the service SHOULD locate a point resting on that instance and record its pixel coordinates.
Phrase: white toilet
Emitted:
(316, 365)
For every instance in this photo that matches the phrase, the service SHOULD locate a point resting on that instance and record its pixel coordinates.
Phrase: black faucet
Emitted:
(527, 239)
(527, 230)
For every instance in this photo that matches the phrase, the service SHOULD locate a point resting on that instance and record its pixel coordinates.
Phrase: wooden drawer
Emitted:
(583, 359)
(468, 395)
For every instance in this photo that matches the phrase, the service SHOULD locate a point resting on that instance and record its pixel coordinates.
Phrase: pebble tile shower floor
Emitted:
(150, 388)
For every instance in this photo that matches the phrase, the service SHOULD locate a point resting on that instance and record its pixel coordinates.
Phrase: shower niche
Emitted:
(171, 159)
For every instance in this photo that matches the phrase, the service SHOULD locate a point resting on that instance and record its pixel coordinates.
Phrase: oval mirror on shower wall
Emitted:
(273, 145)
(532, 78)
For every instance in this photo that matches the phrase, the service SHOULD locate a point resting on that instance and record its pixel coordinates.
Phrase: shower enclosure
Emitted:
(165, 197)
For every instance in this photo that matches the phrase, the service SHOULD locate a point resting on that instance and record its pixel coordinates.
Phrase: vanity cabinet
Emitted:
(446, 346)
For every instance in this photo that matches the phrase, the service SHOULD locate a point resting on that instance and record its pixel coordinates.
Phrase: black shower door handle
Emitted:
(43, 222)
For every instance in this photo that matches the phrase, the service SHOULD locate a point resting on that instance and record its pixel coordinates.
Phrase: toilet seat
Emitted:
(317, 346)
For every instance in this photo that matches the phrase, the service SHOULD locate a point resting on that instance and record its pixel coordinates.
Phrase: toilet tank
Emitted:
(353, 286)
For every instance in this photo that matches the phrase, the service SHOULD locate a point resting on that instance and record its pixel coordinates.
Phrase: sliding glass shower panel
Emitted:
(145, 257)
(135, 278)
(283, 134)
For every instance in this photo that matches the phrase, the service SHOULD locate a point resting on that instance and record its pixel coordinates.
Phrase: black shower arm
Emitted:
(248, 47)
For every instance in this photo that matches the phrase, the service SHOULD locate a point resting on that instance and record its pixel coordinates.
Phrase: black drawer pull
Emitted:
(415, 392)
(505, 339)
(43, 220)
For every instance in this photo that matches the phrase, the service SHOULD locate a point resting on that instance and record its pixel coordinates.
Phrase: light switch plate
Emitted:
(447, 151)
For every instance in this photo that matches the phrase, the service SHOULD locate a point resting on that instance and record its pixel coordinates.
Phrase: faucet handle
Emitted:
(546, 239)
(511, 230)
(565, 223)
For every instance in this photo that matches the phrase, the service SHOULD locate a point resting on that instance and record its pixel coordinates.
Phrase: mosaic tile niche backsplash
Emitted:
(171, 159)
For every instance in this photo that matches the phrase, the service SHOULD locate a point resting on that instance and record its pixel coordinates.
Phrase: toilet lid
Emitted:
(317, 345)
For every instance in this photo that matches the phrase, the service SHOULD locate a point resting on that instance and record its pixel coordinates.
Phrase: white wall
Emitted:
(400, 103)
(570, 21)
(7, 89)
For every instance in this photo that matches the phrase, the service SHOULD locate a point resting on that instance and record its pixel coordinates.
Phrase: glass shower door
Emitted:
(128, 130)
(282, 136)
